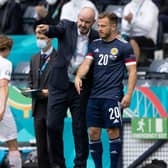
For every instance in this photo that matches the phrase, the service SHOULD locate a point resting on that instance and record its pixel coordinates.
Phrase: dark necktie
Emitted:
(43, 59)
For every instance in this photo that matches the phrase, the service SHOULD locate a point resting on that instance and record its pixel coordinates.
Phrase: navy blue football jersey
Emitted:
(109, 61)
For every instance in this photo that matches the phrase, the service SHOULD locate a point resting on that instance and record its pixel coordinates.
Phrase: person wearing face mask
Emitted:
(11, 17)
(140, 25)
(40, 66)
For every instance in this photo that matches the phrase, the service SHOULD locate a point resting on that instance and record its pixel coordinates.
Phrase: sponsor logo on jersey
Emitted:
(115, 121)
(96, 50)
(114, 152)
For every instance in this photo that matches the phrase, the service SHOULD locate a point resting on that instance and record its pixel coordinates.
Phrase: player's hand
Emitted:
(42, 94)
(45, 92)
(129, 17)
(42, 28)
(78, 84)
(126, 101)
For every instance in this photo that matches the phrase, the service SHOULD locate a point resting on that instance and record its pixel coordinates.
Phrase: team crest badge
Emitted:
(114, 51)
(7, 73)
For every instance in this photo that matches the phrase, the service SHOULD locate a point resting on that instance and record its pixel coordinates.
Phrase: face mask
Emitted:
(51, 2)
(41, 43)
(2, 2)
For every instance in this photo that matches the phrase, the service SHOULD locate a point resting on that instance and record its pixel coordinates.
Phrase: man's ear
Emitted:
(94, 21)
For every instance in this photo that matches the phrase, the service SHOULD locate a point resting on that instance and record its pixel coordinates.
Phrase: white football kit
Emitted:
(8, 129)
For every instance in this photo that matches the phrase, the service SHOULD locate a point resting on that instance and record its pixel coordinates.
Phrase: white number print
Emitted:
(114, 113)
(103, 59)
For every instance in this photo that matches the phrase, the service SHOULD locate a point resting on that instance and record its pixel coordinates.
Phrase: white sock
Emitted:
(15, 160)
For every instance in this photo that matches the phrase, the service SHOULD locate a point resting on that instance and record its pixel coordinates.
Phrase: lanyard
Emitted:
(44, 65)
(56, 11)
(138, 9)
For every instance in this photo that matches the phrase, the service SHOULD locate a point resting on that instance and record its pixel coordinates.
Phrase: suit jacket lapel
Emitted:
(37, 68)
(75, 36)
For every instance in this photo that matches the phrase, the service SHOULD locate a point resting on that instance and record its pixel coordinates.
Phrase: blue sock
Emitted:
(96, 151)
(115, 149)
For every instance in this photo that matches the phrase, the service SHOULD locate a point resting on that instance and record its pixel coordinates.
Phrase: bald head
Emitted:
(87, 12)
(86, 19)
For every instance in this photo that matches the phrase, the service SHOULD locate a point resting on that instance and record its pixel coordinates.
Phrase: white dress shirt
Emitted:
(79, 55)
(145, 19)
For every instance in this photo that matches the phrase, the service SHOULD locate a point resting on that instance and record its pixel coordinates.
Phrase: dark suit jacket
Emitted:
(66, 32)
(40, 82)
(11, 18)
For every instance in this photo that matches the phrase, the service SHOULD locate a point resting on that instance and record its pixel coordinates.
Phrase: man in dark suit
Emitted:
(40, 67)
(73, 40)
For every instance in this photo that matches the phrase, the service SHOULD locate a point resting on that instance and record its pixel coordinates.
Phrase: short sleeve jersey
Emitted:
(109, 61)
(5, 68)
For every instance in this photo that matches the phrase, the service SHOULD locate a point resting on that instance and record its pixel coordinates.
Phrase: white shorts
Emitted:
(8, 129)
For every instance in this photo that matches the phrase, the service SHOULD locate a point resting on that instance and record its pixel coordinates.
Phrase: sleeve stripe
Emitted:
(130, 63)
(89, 54)
(130, 60)
(89, 57)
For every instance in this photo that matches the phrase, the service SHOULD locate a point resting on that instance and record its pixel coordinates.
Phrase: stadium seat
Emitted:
(20, 74)
(147, 53)
(22, 68)
(160, 66)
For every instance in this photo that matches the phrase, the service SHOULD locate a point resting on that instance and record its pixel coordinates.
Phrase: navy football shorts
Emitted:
(103, 113)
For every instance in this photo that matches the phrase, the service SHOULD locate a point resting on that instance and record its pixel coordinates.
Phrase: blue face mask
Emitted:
(41, 43)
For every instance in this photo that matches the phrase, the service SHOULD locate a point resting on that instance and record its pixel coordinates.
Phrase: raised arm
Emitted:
(82, 71)
(52, 31)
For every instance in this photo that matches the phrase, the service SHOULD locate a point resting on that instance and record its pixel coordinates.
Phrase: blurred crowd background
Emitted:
(149, 30)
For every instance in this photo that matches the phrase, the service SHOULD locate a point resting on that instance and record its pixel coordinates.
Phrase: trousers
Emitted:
(58, 103)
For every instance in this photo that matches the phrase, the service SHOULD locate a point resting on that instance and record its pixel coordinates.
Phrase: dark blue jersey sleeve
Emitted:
(90, 53)
(129, 56)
